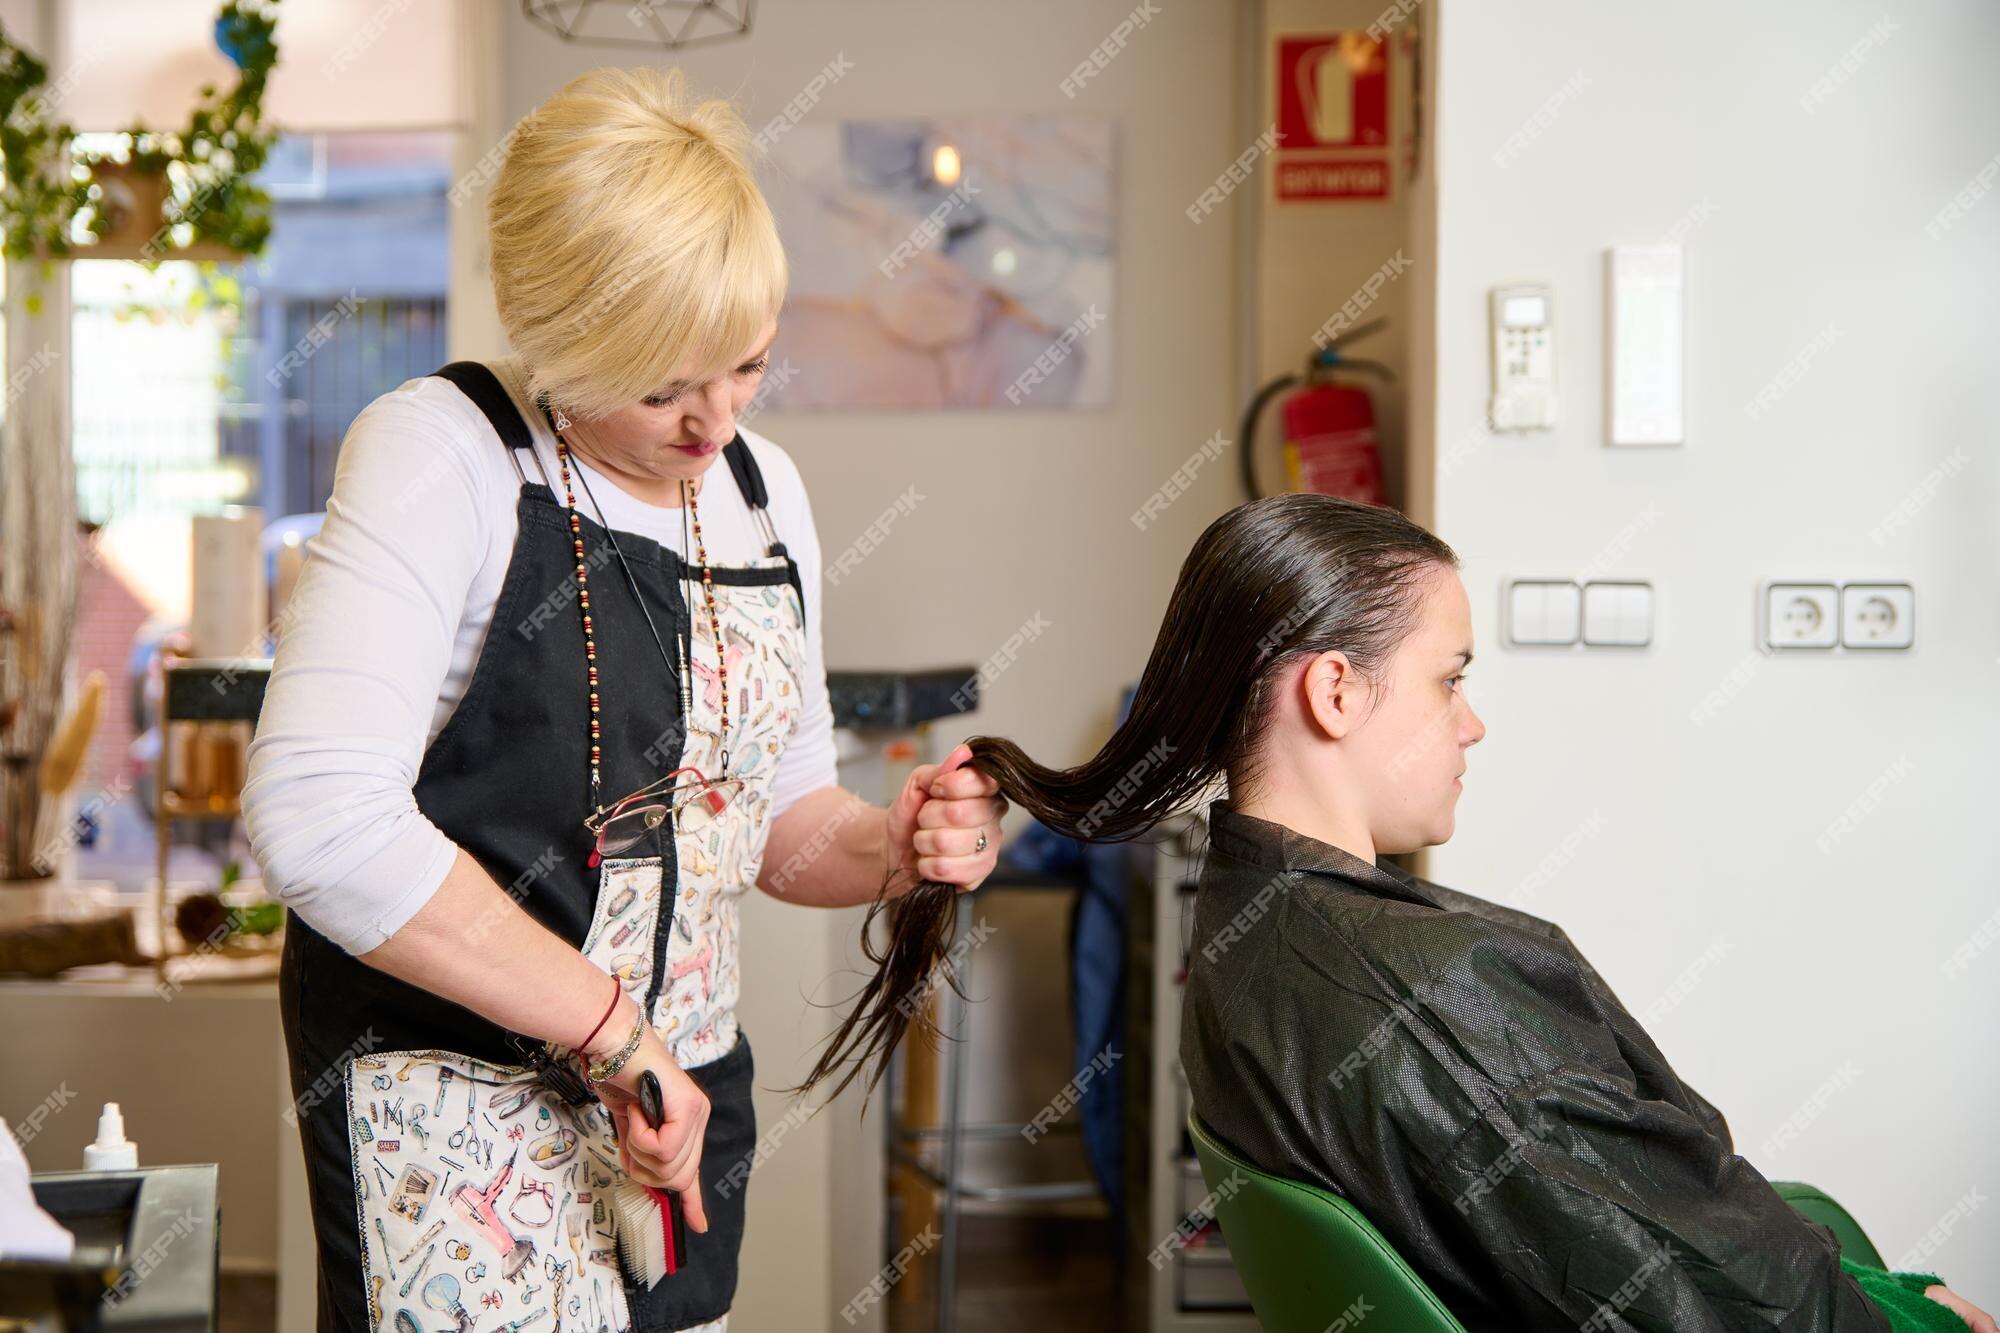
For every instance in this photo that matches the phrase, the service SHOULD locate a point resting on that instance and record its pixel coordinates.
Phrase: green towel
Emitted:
(1901, 1296)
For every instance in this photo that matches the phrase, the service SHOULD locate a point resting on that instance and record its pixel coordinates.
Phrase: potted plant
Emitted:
(228, 922)
(189, 194)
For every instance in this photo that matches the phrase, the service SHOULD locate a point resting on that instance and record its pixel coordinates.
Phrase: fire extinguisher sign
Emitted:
(1333, 117)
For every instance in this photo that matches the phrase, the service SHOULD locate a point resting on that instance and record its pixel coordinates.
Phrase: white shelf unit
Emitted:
(1197, 1289)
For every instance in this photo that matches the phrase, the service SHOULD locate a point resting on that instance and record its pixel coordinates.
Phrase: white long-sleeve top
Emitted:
(387, 620)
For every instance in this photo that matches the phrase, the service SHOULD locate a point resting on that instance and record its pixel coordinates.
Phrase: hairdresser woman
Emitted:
(548, 701)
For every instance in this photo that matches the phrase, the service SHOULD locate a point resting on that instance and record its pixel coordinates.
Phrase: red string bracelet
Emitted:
(617, 989)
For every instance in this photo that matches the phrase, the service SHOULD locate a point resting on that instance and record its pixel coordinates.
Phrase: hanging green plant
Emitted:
(38, 201)
(209, 164)
(55, 197)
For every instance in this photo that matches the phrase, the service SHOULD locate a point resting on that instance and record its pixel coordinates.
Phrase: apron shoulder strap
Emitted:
(477, 381)
(750, 481)
(749, 477)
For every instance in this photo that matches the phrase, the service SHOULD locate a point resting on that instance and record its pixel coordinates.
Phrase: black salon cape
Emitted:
(1464, 1077)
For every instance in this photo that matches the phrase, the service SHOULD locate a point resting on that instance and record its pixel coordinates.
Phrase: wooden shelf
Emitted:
(172, 807)
(253, 978)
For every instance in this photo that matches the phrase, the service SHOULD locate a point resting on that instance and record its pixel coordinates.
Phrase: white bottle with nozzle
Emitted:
(112, 1151)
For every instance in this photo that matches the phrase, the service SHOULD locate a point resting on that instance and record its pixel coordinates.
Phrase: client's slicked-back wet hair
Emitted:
(1268, 582)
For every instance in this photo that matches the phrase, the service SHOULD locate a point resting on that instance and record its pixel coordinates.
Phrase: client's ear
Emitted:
(1332, 694)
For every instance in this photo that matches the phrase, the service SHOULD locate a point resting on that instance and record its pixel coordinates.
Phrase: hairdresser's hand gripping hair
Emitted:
(1266, 582)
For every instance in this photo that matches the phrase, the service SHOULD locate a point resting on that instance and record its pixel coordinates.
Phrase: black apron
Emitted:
(431, 1148)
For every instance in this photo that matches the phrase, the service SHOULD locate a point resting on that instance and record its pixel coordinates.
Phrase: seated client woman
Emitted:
(1455, 1068)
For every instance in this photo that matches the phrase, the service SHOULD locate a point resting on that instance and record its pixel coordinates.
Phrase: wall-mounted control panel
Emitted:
(1524, 357)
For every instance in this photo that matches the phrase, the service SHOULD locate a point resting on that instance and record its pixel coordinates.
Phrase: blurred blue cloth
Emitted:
(1097, 939)
(1097, 984)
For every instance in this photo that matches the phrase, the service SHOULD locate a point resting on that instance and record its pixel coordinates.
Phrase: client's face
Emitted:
(1412, 748)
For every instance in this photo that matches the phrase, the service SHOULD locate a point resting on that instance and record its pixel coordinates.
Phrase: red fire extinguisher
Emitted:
(1330, 444)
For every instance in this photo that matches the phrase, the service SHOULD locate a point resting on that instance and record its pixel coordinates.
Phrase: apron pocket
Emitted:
(481, 1196)
(625, 924)
(706, 1287)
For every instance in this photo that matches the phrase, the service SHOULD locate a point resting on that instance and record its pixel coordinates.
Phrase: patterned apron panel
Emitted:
(763, 633)
(481, 1194)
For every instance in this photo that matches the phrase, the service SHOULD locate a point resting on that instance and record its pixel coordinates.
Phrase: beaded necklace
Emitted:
(690, 511)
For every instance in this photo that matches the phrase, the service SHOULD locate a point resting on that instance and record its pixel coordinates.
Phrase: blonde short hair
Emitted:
(630, 245)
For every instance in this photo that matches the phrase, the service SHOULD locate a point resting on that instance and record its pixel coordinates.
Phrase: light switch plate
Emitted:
(1645, 341)
(1618, 615)
(1801, 615)
(1877, 615)
(1544, 611)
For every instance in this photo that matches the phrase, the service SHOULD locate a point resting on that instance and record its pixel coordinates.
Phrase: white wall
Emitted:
(342, 64)
(1708, 838)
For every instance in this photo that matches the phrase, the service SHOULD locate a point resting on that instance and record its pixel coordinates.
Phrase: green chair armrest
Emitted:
(1307, 1256)
(1816, 1205)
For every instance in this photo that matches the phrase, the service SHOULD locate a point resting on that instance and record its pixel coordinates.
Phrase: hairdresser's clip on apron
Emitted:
(449, 1179)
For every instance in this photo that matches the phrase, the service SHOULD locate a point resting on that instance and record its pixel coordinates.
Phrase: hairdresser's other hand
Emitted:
(668, 1157)
(935, 824)
(1976, 1319)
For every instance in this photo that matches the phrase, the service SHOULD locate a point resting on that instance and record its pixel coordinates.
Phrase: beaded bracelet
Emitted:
(600, 1070)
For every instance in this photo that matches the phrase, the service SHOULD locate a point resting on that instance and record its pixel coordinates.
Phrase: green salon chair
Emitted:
(1816, 1205)
(1306, 1256)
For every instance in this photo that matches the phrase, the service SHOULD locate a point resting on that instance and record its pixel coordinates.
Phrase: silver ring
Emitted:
(980, 846)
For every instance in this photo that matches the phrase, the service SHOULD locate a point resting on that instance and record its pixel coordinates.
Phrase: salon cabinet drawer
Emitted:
(1208, 1280)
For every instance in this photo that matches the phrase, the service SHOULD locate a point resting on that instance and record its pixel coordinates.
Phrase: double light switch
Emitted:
(1558, 612)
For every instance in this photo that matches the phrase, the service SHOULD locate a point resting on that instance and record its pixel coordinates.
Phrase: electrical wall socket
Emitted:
(1801, 615)
(1877, 615)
